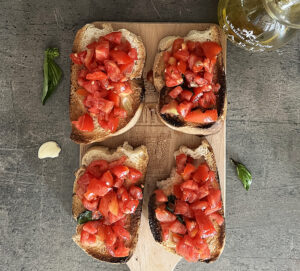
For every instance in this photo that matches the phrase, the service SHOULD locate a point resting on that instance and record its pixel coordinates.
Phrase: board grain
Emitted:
(161, 143)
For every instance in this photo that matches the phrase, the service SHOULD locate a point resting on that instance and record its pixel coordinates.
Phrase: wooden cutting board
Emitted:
(161, 143)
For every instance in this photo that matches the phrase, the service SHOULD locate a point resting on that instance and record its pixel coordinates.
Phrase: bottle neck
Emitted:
(286, 12)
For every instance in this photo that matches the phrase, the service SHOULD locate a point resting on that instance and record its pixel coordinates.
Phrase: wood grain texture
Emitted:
(161, 143)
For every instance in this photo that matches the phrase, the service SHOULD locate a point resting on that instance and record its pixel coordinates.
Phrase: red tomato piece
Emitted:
(186, 251)
(176, 237)
(120, 171)
(165, 228)
(164, 215)
(118, 249)
(101, 232)
(208, 76)
(107, 178)
(206, 227)
(199, 205)
(123, 46)
(82, 92)
(197, 116)
(96, 188)
(188, 170)
(90, 205)
(191, 45)
(134, 175)
(178, 227)
(110, 236)
(88, 58)
(96, 76)
(126, 69)
(113, 71)
(192, 60)
(177, 44)
(114, 37)
(180, 162)
(211, 176)
(123, 194)
(170, 108)
(201, 173)
(191, 227)
(208, 100)
(214, 197)
(118, 162)
(120, 112)
(91, 227)
(115, 98)
(103, 206)
(189, 195)
(120, 231)
(209, 210)
(160, 196)
(166, 56)
(217, 217)
(190, 185)
(102, 51)
(84, 123)
(211, 49)
(97, 167)
(203, 191)
(113, 205)
(198, 50)
(86, 238)
(175, 92)
(78, 58)
(177, 191)
(184, 108)
(120, 57)
(198, 93)
(186, 95)
(182, 55)
(133, 54)
(118, 182)
(181, 66)
(136, 192)
(131, 206)
(181, 207)
(112, 123)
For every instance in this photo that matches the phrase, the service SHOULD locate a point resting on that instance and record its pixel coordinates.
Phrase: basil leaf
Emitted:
(171, 199)
(169, 208)
(243, 174)
(52, 73)
(180, 219)
(84, 217)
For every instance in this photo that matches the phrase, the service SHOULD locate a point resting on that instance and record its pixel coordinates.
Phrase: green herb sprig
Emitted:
(243, 174)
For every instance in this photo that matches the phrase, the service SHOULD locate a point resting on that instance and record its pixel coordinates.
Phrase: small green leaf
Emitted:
(52, 73)
(84, 217)
(171, 199)
(180, 219)
(243, 174)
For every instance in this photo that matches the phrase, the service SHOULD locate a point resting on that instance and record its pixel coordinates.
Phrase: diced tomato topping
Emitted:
(107, 178)
(186, 95)
(164, 215)
(184, 108)
(110, 236)
(188, 170)
(170, 108)
(211, 49)
(208, 100)
(181, 207)
(199, 205)
(120, 112)
(97, 167)
(177, 44)
(96, 188)
(136, 192)
(115, 98)
(91, 227)
(186, 251)
(198, 116)
(82, 92)
(117, 162)
(201, 173)
(182, 55)
(181, 66)
(214, 197)
(177, 191)
(120, 57)
(160, 196)
(206, 228)
(180, 162)
(134, 175)
(114, 37)
(84, 123)
(113, 71)
(217, 217)
(189, 195)
(175, 92)
(203, 191)
(96, 76)
(120, 171)
(209, 210)
(91, 205)
(133, 54)
(178, 227)
(120, 231)
(86, 238)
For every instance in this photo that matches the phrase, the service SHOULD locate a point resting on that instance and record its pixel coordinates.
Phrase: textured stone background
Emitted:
(263, 230)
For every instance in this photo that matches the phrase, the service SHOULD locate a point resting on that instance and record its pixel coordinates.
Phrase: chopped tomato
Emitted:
(198, 49)
(84, 123)
(188, 170)
(206, 228)
(165, 228)
(118, 182)
(126, 69)
(177, 191)
(110, 236)
(131, 206)
(181, 66)
(186, 95)
(85, 237)
(82, 92)
(184, 108)
(96, 76)
(172, 60)
(180, 162)
(119, 249)
(186, 251)
(166, 56)
(91, 205)
(134, 175)
(201, 173)
(136, 192)
(197, 116)
(203, 191)
(217, 217)
(164, 215)
(209, 210)
(208, 100)
(123, 46)
(200, 81)
(192, 60)
(91, 227)
(160, 196)
(120, 57)
(107, 178)
(178, 227)
(102, 50)
(96, 188)
(97, 167)
(78, 58)
(114, 37)
(120, 171)
(120, 231)
(177, 44)
(115, 98)
(120, 112)
(133, 54)
(176, 237)
(191, 45)
(181, 207)
(113, 205)
(211, 176)
(122, 193)
(192, 227)
(199, 205)
(101, 232)
(103, 206)
(118, 162)
(175, 92)
(208, 77)
(88, 58)
(170, 108)
(112, 123)
(190, 185)
(189, 195)
(113, 71)
(182, 55)
(214, 197)
(211, 49)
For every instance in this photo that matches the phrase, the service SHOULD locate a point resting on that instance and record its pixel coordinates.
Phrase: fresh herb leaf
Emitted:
(170, 208)
(243, 174)
(84, 217)
(171, 199)
(180, 219)
(52, 73)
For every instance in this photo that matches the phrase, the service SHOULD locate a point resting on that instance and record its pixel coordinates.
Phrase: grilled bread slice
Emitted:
(132, 103)
(202, 153)
(211, 34)
(136, 158)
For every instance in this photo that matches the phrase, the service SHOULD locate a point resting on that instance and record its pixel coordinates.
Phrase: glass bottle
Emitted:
(259, 25)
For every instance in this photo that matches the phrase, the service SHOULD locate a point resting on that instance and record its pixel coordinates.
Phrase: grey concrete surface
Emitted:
(263, 125)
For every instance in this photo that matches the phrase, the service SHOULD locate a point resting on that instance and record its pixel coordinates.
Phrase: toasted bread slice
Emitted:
(90, 33)
(211, 34)
(202, 153)
(137, 158)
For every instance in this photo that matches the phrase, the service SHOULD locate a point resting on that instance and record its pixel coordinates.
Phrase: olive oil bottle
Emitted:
(259, 25)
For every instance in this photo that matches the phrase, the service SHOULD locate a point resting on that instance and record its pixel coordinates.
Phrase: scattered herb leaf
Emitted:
(171, 198)
(170, 208)
(52, 73)
(243, 174)
(84, 217)
(180, 219)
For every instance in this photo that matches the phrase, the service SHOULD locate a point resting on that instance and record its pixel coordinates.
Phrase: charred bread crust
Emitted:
(217, 242)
